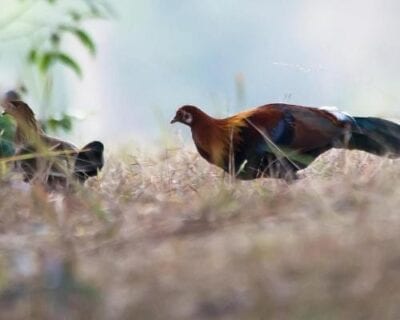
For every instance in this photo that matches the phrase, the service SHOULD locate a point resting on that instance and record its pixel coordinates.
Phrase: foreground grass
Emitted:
(169, 237)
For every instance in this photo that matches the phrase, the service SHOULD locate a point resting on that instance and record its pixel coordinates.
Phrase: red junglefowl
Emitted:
(53, 162)
(277, 140)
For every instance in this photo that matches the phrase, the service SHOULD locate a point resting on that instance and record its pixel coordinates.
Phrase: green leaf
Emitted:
(83, 37)
(32, 56)
(86, 40)
(55, 39)
(7, 128)
(48, 58)
(45, 61)
(75, 15)
(69, 62)
(65, 123)
(51, 123)
(7, 132)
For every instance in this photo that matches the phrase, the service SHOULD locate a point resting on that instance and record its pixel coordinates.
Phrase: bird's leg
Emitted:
(347, 135)
(346, 141)
(41, 171)
(231, 165)
(285, 170)
(290, 176)
(342, 142)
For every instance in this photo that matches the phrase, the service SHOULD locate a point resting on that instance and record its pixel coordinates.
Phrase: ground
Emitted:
(171, 237)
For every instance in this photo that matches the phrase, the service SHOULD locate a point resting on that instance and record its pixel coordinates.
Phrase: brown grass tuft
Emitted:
(170, 237)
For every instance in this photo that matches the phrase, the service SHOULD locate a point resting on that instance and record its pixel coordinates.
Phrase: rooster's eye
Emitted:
(187, 117)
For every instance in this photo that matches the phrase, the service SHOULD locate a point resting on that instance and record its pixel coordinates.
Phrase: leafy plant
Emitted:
(46, 53)
(48, 50)
(7, 131)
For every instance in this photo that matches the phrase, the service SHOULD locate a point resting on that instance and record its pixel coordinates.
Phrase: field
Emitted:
(171, 237)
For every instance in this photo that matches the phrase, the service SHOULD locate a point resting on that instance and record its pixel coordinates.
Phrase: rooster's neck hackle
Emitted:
(217, 137)
(28, 129)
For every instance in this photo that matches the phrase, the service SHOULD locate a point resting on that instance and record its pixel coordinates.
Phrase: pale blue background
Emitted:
(156, 55)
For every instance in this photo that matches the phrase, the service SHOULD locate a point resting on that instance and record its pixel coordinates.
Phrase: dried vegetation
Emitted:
(170, 237)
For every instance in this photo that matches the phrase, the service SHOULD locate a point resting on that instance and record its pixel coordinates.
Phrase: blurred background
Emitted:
(169, 236)
(132, 63)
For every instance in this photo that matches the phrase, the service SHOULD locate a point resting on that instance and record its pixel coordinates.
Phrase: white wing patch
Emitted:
(340, 115)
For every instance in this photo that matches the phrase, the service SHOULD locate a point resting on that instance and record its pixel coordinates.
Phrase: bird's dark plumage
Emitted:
(89, 161)
(51, 161)
(12, 95)
(277, 140)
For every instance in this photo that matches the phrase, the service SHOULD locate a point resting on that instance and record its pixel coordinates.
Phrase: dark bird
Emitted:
(89, 161)
(51, 161)
(12, 95)
(277, 140)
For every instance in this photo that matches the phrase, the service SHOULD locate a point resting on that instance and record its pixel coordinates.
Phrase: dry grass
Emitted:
(169, 237)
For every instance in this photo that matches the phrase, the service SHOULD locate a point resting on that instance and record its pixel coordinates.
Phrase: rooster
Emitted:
(51, 161)
(277, 140)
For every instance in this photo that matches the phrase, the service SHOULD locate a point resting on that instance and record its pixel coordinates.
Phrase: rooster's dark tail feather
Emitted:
(89, 161)
(375, 135)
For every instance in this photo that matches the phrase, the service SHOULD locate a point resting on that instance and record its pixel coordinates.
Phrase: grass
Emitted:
(170, 237)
